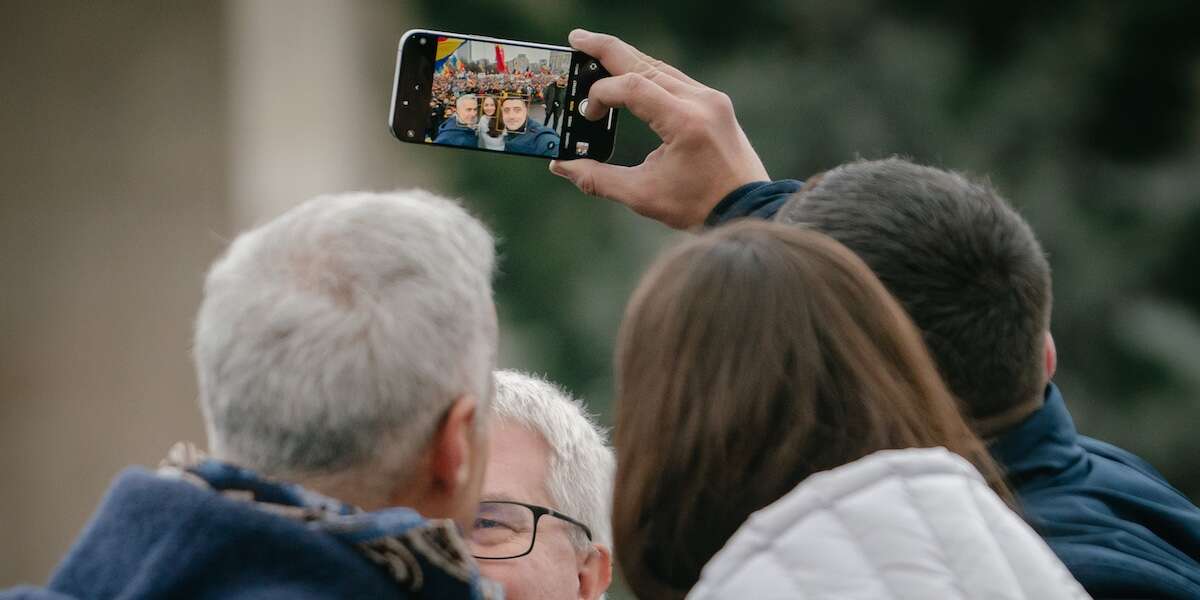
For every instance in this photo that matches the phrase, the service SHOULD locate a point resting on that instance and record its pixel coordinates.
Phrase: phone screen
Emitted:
(497, 96)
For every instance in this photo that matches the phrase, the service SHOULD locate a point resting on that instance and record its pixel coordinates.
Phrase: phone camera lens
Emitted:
(410, 133)
(421, 41)
(417, 86)
(592, 66)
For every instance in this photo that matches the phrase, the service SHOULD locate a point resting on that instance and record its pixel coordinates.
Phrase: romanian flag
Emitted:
(445, 52)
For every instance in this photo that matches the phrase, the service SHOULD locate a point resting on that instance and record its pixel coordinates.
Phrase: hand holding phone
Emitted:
(704, 153)
(488, 94)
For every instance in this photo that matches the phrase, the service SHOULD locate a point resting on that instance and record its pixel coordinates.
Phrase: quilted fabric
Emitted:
(900, 524)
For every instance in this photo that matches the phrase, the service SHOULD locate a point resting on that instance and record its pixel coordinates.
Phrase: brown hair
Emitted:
(750, 358)
(964, 265)
(494, 127)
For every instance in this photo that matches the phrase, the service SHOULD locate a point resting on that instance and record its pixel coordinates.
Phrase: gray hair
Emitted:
(581, 463)
(335, 337)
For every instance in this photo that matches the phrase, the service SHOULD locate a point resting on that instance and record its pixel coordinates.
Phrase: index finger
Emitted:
(620, 57)
(644, 98)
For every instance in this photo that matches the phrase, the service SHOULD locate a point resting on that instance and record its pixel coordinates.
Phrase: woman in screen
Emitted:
(491, 128)
(781, 431)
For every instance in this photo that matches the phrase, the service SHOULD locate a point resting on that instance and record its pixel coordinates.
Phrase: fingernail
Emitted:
(556, 168)
(578, 35)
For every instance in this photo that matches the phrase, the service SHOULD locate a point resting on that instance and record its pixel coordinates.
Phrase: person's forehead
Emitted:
(518, 465)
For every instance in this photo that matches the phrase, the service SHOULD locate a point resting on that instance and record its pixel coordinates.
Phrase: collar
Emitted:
(1044, 443)
(411, 548)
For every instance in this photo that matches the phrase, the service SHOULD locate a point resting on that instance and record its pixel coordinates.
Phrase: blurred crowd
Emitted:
(533, 85)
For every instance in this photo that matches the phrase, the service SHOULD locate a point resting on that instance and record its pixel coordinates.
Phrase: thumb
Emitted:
(593, 178)
(567, 169)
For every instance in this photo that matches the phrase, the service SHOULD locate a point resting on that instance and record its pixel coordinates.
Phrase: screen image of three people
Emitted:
(497, 123)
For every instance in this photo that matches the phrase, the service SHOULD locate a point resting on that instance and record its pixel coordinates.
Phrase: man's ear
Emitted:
(450, 456)
(595, 572)
(1051, 357)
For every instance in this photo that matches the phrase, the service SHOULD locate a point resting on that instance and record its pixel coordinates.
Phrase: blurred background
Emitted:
(137, 138)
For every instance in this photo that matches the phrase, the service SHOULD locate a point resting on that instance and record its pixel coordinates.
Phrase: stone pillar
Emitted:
(138, 138)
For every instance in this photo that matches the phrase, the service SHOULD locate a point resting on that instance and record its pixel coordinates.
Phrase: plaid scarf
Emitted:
(398, 539)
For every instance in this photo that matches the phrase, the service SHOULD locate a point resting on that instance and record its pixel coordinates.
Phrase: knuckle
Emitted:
(652, 64)
(651, 75)
(587, 183)
(691, 129)
(718, 99)
(634, 82)
(605, 43)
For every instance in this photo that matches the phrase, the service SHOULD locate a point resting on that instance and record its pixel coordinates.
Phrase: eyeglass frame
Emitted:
(538, 513)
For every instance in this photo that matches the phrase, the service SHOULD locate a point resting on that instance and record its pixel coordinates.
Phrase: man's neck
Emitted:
(346, 488)
(998, 424)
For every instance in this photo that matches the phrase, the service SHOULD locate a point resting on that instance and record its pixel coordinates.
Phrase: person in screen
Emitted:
(525, 135)
(460, 131)
(555, 95)
(436, 113)
(490, 127)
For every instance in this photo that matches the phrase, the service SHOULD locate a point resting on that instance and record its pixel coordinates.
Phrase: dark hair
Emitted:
(961, 261)
(750, 358)
(494, 126)
(506, 97)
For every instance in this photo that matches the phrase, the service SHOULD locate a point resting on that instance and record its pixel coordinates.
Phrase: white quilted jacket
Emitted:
(898, 524)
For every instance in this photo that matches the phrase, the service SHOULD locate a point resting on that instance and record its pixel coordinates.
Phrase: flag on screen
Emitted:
(445, 52)
(500, 66)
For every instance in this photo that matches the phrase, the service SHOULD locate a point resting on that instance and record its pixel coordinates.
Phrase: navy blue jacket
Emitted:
(1116, 523)
(537, 139)
(160, 537)
(453, 133)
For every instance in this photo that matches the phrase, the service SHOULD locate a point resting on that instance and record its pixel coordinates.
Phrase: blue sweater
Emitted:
(163, 537)
(1116, 523)
(537, 139)
(453, 133)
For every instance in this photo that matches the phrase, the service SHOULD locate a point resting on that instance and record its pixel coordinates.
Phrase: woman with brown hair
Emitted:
(491, 129)
(764, 369)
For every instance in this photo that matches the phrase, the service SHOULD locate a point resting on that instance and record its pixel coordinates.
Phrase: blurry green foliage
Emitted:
(1083, 113)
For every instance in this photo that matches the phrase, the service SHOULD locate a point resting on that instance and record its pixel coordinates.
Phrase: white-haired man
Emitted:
(344, 353)
(544, 527)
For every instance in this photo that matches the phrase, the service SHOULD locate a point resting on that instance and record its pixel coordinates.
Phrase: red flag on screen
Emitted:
(500, 66)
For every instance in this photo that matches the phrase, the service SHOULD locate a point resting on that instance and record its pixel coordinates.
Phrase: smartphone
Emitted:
(494, 95)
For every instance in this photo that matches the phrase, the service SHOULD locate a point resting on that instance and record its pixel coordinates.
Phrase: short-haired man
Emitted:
(522, 134)
(544, 527)
(554, 96)
(344, 353)
(972, 276)
(460, 130)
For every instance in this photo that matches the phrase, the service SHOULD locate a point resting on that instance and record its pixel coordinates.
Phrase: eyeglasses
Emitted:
(505, 529)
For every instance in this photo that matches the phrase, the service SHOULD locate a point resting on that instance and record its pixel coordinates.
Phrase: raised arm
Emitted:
(704, 154)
